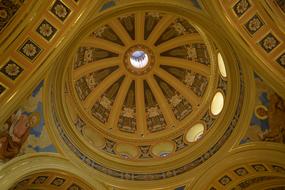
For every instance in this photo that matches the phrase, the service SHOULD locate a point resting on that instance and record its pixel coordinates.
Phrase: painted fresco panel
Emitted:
(24, 131)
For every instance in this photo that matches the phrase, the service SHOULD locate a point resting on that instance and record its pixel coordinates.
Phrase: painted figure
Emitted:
(276, 117)
(17, 131)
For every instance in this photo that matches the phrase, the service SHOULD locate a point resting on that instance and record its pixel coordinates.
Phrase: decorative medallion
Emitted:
(58, 181)
(254, 24)
(261, 112)
(269, 42)
(11, 69)
(30, 49)
(241, 171)
(60, 10)
(259, 167)
(225, 180)
(241, 7)
(46, 30)
(40, 180)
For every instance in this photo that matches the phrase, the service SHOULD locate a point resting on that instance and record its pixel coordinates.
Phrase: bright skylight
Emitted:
(139, 59)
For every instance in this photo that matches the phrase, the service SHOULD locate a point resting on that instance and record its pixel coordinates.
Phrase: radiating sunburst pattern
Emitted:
(147, 100)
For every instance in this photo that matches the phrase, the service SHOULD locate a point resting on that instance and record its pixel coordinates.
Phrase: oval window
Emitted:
(163, 149)
(221, 65)
(217, 103)
(126, 150)
(195, 132)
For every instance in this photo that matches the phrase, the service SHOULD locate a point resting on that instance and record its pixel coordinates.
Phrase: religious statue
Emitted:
(17, 129)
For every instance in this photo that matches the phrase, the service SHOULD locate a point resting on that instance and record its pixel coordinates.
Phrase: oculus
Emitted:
(139, 59)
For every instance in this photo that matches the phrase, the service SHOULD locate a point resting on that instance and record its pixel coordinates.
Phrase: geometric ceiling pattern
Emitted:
(126, 107)
(247, 175)
(50, 180)
(181, 85)
(36, 39)
(154, 112)
(142, 94)
(256, 23)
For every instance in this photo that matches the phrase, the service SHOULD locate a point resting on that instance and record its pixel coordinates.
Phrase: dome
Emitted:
(145, 94)
(140, 84)
(136, 85)
(141, 87)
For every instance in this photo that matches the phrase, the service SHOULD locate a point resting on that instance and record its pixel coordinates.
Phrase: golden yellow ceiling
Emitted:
(181, 96)
(50, 180)
(143, 94)
(137, 105)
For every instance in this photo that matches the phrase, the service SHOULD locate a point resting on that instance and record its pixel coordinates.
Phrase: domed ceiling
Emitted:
(139, 77)
(147, 87)
(139, 103)
(142, 95)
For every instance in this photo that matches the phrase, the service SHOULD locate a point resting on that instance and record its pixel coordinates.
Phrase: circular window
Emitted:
(195, 132)
(217, 103)
(139, 59)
